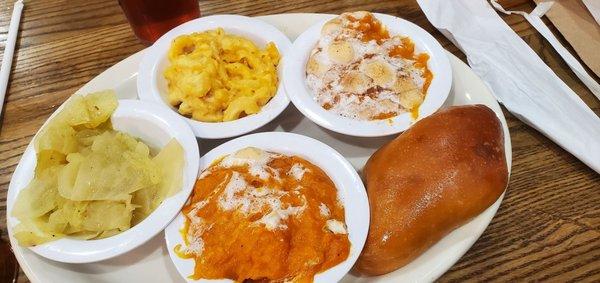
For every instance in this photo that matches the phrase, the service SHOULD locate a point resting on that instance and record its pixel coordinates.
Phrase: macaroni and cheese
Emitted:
(214, 76)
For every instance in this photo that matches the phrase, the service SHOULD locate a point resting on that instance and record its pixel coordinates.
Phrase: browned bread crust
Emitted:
(443, 171)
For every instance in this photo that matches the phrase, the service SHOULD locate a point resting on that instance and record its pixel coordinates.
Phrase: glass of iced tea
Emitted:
(150, 19)
(9, 269)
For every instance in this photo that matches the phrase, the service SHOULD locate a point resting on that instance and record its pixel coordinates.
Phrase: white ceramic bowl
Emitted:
(351, 192)
(153, 125)
(294, 77)
(152, 86)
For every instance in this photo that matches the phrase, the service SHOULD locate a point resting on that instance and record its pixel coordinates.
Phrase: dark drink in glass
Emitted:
(150, 19)
(9, 268)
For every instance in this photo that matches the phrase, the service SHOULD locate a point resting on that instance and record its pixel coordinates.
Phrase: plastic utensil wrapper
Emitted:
(517, 76)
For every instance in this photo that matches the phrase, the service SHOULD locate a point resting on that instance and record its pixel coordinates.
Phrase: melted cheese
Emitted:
(195, 244)
(336, 226)
(229, 200)
(273, 219)
(297, 171)
(240, 196)
(254, 158)
(324, 210)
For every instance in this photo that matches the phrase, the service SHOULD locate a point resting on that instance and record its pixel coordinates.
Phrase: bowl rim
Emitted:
(351, 192)
(302, 97)
(149, 72)
(86, 251)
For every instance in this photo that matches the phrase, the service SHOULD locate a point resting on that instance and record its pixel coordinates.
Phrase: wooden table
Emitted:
(547, 228)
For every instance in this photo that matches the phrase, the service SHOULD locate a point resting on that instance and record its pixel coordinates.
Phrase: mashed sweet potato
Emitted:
(256, 215)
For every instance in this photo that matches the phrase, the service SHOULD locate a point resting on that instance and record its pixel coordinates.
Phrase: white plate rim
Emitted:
(351, 192)
(302, 98)
(127, 69)
(150, 73)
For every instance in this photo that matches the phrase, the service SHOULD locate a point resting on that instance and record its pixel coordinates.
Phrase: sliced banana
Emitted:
(380, 71)
(365, 80)
(354, 82)
(331, 27)
(411, 99)
(315, 67)
(341, 52)
(359, 14)
(404, 84)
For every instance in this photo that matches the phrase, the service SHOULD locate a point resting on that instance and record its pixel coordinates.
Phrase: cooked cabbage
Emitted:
(91, 181)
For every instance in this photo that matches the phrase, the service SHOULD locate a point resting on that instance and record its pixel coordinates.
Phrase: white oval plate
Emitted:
(153, 125)
(351, 193)
(151, 262)
(294, 74)
(152, 85)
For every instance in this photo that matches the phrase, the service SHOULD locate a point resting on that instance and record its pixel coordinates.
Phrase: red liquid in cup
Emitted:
(150, 19)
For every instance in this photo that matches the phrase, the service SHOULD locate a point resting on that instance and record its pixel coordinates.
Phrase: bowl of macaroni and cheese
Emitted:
(222, 74)
(367, 74)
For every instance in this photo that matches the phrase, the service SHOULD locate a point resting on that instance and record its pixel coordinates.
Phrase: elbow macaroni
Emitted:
(215, 77)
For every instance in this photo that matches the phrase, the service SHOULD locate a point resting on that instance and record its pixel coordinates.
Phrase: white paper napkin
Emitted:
(517, 77)
(534, 18)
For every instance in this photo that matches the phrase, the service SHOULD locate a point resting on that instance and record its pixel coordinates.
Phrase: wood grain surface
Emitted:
(547, 228)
